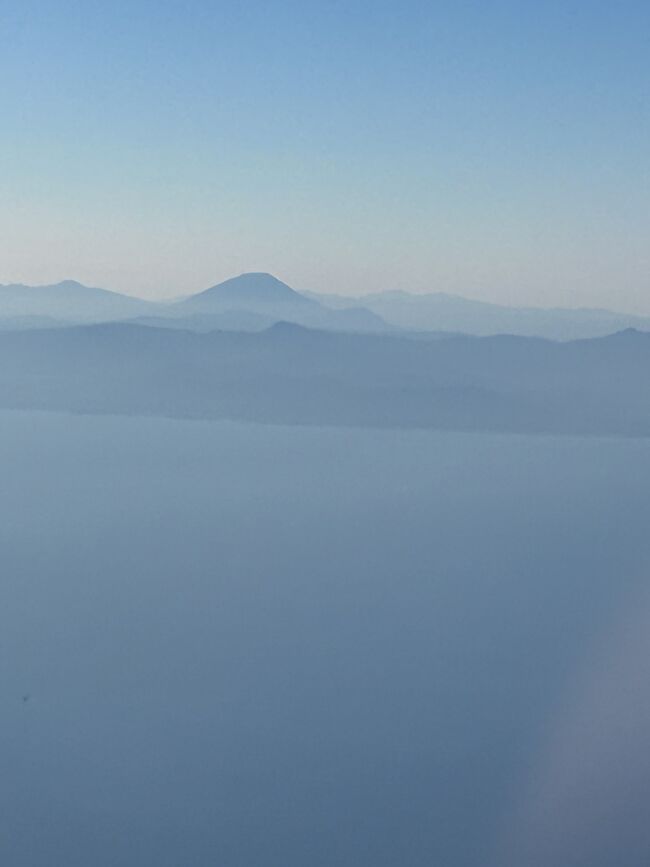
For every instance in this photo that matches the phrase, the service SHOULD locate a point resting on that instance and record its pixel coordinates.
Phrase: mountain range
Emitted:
(250, 302)
(253, 348)
(66, 302)
(440, 311)
(256, 301)
(288, 374)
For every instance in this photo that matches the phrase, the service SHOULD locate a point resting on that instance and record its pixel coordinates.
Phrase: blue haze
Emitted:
(271, 647)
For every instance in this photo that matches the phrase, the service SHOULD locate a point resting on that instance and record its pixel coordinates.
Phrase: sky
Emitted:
(498, 150)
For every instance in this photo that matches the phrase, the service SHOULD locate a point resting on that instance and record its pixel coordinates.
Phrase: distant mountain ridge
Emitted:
(440, 311)
(249, 302)
(255, 301)
(69, 301)
(263, 295)
(293, 375)
(254, 288)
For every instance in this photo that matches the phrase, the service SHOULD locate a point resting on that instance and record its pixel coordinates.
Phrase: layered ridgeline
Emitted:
(439, 311)
(65, 303)
(293, 375)
(253, 348)
(253, 302)
(250, 302)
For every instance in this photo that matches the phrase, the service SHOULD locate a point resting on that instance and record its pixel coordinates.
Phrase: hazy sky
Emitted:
(496, 149)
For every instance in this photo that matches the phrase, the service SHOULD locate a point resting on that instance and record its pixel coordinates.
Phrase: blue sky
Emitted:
(495, 149)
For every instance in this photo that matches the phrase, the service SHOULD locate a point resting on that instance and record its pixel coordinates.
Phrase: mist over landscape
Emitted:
(253, 349)
(278, 645)
(285, 588)
(254, 301)
(324, 433)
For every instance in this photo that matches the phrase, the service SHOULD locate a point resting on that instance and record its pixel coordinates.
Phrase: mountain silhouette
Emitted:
(250, 302)
(292, 375)
(440, 311)
(270, 300)
(249, 290)
(68, 301)
(255, 301)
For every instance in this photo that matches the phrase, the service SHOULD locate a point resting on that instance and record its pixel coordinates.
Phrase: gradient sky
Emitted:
(495, 149)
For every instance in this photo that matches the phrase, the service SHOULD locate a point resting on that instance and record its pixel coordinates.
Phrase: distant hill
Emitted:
(255, 301)
(250, 302)
(292, 375)
(253, 290)
(270, 300)
(68, 301)
(442, 312)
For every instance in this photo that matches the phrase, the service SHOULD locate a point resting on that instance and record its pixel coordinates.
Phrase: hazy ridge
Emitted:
(293, 375)
(254, 301)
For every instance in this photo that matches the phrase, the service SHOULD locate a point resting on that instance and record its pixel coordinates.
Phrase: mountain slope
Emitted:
(255, 301)
(249, 291)
(69, 301)
(250, 302)
(442, 312)
(270, 300)
(292, 375)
